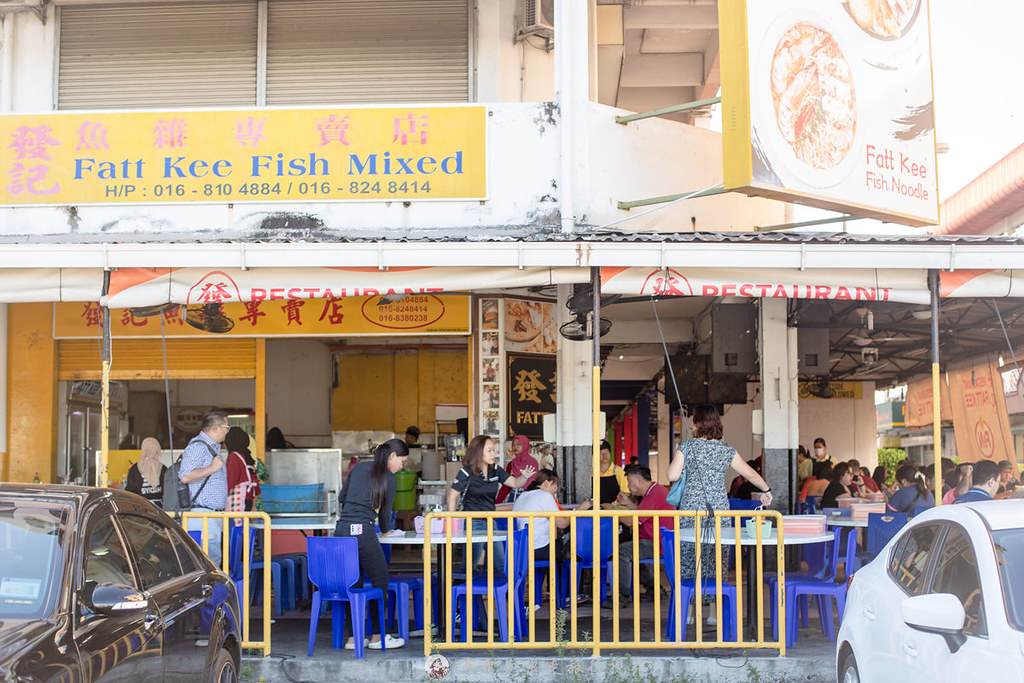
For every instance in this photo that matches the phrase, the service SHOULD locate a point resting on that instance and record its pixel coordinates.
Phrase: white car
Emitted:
(943, 601)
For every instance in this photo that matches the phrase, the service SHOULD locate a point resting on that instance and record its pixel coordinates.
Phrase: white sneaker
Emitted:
(351, 644)
(392, 642)
(711, 621)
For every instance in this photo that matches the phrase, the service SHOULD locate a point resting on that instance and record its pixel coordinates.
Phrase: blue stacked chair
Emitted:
(478, 587)
(334, 570)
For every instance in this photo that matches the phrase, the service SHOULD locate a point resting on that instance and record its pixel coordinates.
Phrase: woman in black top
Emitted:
(477, 485)
(366, 500)
(146, 477)
(842, 477)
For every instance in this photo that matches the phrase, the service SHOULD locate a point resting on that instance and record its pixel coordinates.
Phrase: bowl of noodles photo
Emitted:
(883, 19)
(805, 106)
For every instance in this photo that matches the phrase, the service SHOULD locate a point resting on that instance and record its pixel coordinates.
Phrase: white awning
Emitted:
(134, 287)
(31, 285)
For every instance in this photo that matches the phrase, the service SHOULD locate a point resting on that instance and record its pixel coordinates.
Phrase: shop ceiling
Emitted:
(882, 342)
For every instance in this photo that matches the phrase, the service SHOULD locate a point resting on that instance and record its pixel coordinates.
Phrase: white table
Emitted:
(791, 538)
(412, 538)
(847, 522)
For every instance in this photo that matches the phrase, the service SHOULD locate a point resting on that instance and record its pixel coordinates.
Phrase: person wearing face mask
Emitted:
(821, 451)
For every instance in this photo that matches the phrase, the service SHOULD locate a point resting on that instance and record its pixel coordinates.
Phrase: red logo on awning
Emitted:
(215, 287)
(666, 282)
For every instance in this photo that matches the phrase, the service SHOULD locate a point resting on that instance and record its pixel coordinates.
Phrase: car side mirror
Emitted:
(113, 599)
(938, 613)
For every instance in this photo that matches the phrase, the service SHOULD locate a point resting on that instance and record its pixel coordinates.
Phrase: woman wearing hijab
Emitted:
(146, 477)
(242, 484)
(519, 449)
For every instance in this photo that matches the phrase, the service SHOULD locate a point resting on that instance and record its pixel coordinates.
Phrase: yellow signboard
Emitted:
(847, 390)
(265, 155)
(830, 106)
(417, 314)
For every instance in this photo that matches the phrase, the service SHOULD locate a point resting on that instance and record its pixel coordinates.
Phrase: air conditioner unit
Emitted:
(537, 17)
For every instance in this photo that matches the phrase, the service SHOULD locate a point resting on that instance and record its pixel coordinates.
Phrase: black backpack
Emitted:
(176, 496)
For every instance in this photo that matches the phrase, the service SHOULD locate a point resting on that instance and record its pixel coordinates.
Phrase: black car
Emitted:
(101, 585)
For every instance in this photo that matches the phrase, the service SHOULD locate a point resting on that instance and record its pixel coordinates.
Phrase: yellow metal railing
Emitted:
(565, 629)
(226, 522)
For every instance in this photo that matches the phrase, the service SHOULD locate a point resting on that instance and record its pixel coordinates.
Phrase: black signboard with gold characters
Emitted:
(531, 392)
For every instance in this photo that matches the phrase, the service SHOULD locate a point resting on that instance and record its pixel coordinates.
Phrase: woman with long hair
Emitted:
(706, 458)
(912, 492)
(842, 477)
(476, 487)
(146, 477)
(365, 500)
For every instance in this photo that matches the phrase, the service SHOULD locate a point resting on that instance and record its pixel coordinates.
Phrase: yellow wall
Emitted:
(390, 389)
(31, 394)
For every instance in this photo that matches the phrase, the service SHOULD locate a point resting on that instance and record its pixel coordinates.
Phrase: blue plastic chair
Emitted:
(282, 572)
(334, 570)
(584, 543)
(824, 589)
(882, 526)
(541, 564)
(478, 588)
(813, 504)
(688, 587)
(403, 587)
(831, 561)
(303, 589)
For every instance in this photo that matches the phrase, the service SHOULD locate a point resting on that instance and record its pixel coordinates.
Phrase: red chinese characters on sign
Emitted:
(332, 129)
(92, 135)
(249, 131)
(172, 133)
(214, 293)
(31, 143)
(173, 315)
(91, 314)
(252, 312)
(128, 319)
(411, 128)
(332, 311)
(291, 310)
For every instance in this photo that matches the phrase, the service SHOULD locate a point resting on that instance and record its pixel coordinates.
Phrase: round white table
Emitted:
(847, 522)
(791, 538)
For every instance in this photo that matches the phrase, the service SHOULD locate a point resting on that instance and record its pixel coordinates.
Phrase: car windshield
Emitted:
(1010, 555)
(31, 557)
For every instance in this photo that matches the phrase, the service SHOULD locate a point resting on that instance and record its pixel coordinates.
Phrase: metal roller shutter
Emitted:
(367, 51)
(229, 358)
(150, 57)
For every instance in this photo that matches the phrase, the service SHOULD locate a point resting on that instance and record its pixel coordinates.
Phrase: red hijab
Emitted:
(516, 466)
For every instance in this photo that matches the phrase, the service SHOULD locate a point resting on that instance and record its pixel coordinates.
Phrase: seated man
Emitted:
(985, 484)
(652, 497)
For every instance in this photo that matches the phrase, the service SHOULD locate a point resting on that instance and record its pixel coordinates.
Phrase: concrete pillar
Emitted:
(572, 89)
(574, 428)
(778, 359)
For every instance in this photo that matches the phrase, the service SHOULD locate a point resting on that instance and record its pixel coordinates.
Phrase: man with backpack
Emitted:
(203, 470)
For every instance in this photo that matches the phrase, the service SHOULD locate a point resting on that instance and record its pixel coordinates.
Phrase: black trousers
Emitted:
(371, 563)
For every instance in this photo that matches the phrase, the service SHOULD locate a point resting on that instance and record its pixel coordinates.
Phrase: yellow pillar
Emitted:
(31, 394)
(260, 404)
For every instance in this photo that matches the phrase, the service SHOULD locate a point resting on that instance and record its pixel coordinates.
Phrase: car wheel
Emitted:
(849, 672)
(224, 670)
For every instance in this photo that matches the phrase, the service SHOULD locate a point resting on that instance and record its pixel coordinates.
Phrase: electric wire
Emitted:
(707, 534)
(1006, 336)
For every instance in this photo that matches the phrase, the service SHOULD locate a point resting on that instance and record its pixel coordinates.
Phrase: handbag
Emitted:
(675, 494)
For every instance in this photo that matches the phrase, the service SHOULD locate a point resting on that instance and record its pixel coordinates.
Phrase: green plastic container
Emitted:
(405, 493)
